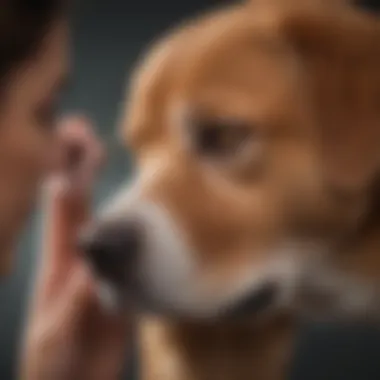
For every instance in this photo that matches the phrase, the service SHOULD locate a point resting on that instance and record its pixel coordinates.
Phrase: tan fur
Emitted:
(306, 80)
(186, 351)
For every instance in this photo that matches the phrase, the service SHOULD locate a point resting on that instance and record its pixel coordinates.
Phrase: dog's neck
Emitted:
(347, 283)
(191, 351)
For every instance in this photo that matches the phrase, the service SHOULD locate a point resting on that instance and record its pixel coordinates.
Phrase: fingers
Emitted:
(116, 337)
(55, 323)
(82, 154)
(67, 195)
(63, 216)
(74, 298)
(66, 314)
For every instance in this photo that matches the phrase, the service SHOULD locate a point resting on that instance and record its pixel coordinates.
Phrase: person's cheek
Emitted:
(32, 167)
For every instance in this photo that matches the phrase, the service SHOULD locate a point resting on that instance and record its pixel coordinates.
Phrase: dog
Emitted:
(255, 132)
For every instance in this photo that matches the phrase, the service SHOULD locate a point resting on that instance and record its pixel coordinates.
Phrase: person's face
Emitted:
(28, 140)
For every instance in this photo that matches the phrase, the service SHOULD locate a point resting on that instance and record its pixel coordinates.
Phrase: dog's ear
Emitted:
(339, 52)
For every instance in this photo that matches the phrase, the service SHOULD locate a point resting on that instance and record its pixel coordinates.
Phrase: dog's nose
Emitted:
(112, 249)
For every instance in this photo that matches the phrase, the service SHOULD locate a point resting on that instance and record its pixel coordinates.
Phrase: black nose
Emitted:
(112, 249)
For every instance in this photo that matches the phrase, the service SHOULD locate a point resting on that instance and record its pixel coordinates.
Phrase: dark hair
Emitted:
(23, 25)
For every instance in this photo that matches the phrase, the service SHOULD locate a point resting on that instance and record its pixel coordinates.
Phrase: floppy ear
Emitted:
(340, 52)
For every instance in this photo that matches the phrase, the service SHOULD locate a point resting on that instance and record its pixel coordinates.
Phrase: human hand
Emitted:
(68, 335)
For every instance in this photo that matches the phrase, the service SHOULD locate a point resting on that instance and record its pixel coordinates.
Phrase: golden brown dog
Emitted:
(255, 131)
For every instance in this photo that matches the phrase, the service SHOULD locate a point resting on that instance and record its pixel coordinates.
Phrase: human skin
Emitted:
(68, 335)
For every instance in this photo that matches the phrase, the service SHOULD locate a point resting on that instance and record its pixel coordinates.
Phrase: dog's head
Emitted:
(253, 133)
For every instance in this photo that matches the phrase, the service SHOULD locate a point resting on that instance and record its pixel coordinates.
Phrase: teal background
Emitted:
(108, 37)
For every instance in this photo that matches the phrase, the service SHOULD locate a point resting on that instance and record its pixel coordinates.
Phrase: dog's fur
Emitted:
(295, 205)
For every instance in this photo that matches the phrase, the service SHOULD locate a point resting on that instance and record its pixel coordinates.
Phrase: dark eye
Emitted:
(219, 138)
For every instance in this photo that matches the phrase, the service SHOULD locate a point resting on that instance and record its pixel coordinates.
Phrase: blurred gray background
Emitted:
(108, 37)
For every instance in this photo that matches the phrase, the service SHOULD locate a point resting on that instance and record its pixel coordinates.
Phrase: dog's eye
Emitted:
(220, 139)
